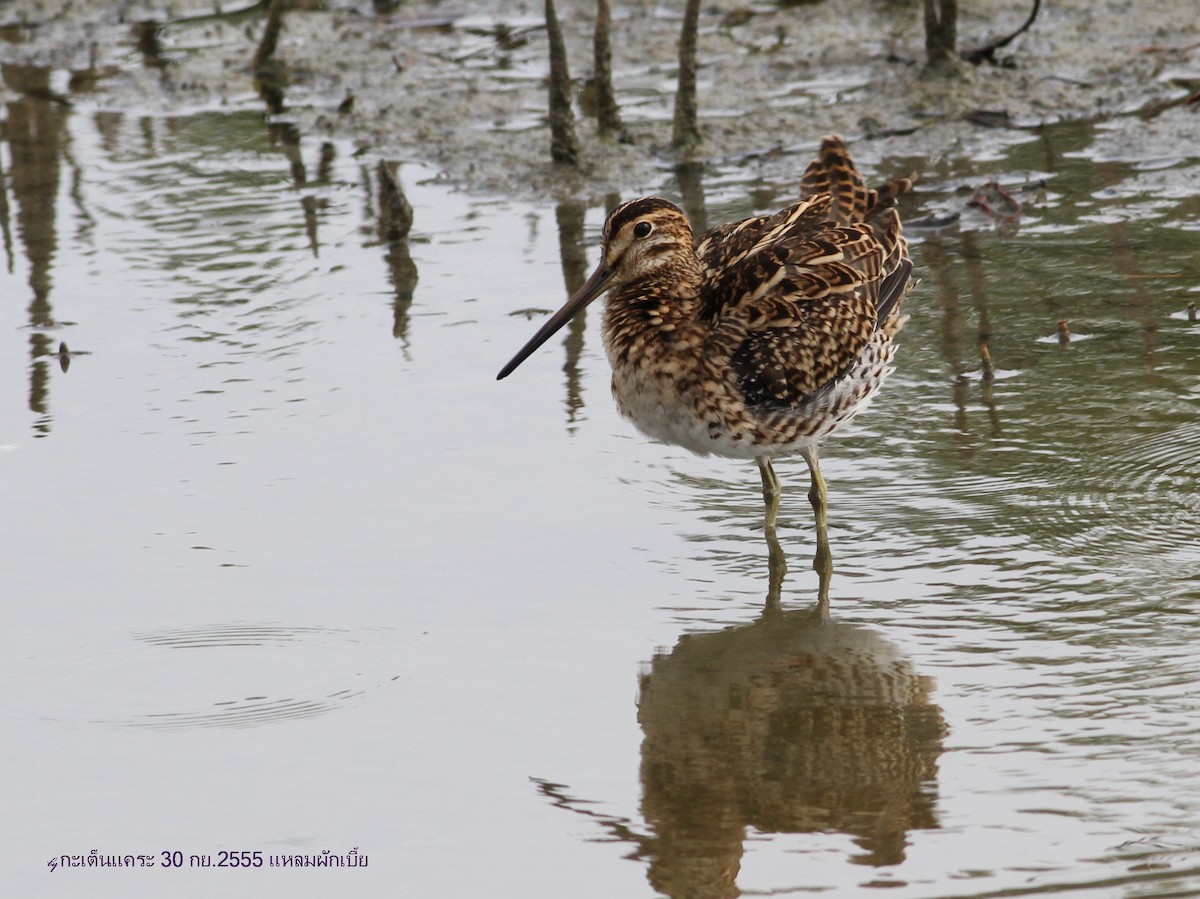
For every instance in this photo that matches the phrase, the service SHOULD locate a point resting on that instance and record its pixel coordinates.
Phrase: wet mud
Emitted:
(463, 86)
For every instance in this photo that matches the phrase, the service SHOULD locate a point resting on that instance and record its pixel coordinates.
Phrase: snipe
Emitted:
(761, 337)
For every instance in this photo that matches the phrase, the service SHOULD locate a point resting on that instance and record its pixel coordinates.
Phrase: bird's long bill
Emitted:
(595, 285)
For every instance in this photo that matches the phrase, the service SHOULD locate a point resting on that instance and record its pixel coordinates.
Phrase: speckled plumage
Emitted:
(760, 337)
(771, 332)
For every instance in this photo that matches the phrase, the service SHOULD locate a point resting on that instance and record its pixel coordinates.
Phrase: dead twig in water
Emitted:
(686, 132)
(987, 52)
(564, 146)
(608, 117)
(989, 371)
(941, 33)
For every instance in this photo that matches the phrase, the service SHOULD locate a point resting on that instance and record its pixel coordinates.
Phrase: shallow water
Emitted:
(288, 571)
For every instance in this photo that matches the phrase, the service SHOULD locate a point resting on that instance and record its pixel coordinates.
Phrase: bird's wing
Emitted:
(793, 298)
(791, 347)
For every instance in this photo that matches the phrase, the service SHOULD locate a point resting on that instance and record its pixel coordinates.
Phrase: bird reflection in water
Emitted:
(791, 724)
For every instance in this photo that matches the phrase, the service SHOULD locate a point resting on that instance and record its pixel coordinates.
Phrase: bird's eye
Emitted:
(642, 229)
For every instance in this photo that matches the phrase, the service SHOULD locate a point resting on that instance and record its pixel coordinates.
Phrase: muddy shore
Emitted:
(462, 86)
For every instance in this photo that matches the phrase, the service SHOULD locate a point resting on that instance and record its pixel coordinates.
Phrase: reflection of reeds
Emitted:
(395, 223)
(977, 284)
(689, 175)
(6, 233)
(787, 725)
(35, 131)
(270, 36)
(395, 212)
(937, 262)
(570, 215)
(146, 35)
(1127, 263)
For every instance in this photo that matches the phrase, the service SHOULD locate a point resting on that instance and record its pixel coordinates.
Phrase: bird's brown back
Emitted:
(833, 172)
(797, 295)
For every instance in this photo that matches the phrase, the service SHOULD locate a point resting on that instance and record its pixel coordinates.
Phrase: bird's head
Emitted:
(642, 239)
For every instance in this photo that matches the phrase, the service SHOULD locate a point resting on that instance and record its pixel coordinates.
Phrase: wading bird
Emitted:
(761, 337)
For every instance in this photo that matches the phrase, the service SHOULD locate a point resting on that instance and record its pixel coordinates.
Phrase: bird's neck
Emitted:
(659, 308)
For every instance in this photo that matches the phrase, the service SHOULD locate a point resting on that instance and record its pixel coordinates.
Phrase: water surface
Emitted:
(287, 570)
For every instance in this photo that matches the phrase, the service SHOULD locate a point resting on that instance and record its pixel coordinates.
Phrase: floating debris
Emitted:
(531, 312)
(989, 370)
(65, 355)
(992, 199)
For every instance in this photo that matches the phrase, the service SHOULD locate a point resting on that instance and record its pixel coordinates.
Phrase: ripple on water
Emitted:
(1139, 500)
(223, 676)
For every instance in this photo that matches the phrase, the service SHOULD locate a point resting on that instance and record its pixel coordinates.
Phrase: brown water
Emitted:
(286, 570)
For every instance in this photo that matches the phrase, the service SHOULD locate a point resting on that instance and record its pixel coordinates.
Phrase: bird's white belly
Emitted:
(657, 406)
(660, 411)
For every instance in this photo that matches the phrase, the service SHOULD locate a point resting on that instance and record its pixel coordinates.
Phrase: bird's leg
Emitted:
(818, 495)
(777, 562)
(771, 492)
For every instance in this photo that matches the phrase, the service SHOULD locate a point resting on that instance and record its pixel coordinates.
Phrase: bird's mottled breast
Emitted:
(667, 375)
